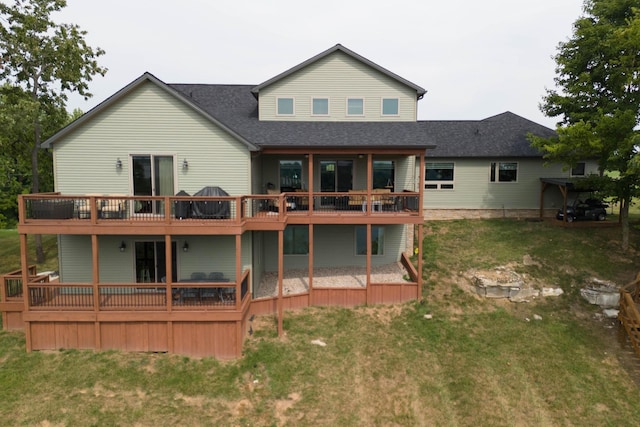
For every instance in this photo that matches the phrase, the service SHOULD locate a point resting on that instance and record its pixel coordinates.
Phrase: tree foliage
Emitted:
(597, 100)
(45, 60)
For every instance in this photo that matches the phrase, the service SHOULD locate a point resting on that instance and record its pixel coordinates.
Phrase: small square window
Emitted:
(320, 106)
(355, 106)
(578, 169)
(390, 106)
(285, 106)
(504, 172)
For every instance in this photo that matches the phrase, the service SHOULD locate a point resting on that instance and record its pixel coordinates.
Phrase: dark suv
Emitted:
(593, 209)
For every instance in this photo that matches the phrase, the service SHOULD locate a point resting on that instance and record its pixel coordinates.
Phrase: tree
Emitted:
(17, 111)
(598, 97)
(47, 60)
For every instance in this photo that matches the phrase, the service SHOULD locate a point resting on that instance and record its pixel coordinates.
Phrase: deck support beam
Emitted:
(280, 279)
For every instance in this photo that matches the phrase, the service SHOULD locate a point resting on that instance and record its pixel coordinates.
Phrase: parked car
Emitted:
(590, 209)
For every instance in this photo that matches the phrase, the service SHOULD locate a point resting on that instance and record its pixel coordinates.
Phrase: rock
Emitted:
(319, 342)
(524, 295)
(499, 283)
(552, 292)
(610, 313)
(537, 317)
(428, 316)
(602, 293)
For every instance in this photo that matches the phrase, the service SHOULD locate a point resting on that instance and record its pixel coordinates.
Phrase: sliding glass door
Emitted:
(151, 262)
(335, 176)
(152, 176)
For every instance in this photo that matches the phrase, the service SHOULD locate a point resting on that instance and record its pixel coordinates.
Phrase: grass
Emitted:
(476, 362)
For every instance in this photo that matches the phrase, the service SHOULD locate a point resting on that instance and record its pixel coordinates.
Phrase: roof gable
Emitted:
(125, 91)
(419, 90)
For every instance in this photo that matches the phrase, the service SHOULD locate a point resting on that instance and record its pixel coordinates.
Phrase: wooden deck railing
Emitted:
(224, 210)
(137, 296)
(11, 289)
(629, 314)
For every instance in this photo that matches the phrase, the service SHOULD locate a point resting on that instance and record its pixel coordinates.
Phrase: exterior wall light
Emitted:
(185, 165)
(118, 164)
(123, 246)
(185, 247)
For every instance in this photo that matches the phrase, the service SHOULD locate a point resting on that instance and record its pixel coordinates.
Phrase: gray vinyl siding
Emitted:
(338, 77)
(150, 121)
(335, 247)
(206, 254)
(473, 190)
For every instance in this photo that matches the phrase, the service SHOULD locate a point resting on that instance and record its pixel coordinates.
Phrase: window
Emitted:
(383, 174)
(377, 240)
(506, 171)
(290, 174)
(285, 106)
(389, 106)
(438, 176)
(320, 106)
(152, 176)
(296, 240)
(355, 106)
(578, 169)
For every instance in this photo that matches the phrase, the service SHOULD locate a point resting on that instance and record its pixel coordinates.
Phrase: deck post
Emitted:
(368, 281)
(25, 288)
(238, 271)
(420, 261)
(280, 278)
(310, 182)
(311, 230)
(95, 278)
(168, 272)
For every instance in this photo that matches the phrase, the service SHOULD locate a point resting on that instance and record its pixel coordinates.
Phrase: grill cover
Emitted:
(218, 209)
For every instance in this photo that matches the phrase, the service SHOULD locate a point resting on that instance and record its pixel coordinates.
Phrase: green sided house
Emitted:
(183, 210)
(487, 168)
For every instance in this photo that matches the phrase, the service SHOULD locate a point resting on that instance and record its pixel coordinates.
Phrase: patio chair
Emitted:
(113, 208)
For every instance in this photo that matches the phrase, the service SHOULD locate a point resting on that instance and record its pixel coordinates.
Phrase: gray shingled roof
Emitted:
(235, 109)
(503, 135)
(235, 106)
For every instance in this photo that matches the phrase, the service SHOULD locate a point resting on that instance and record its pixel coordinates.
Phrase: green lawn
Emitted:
(476, 362)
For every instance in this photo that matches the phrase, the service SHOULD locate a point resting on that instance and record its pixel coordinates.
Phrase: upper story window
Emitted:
(390, 106)
(578, 169)
(285, 106)
(504, 172)
(320, 106)
(355, 106)
(438, 176)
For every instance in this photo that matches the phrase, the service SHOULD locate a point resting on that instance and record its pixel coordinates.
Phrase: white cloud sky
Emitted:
(475, 58)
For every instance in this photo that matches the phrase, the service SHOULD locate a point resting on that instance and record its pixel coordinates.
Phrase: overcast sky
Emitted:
(475, 58)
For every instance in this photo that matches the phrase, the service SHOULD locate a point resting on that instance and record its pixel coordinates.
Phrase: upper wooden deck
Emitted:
(54, 213)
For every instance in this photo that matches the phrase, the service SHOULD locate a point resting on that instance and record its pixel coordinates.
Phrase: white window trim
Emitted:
(153, 154)
(440, 183)
(347, 106)
(579, 176)
(328, 106)
(497, 180)
(293, 99)
(382, 108)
